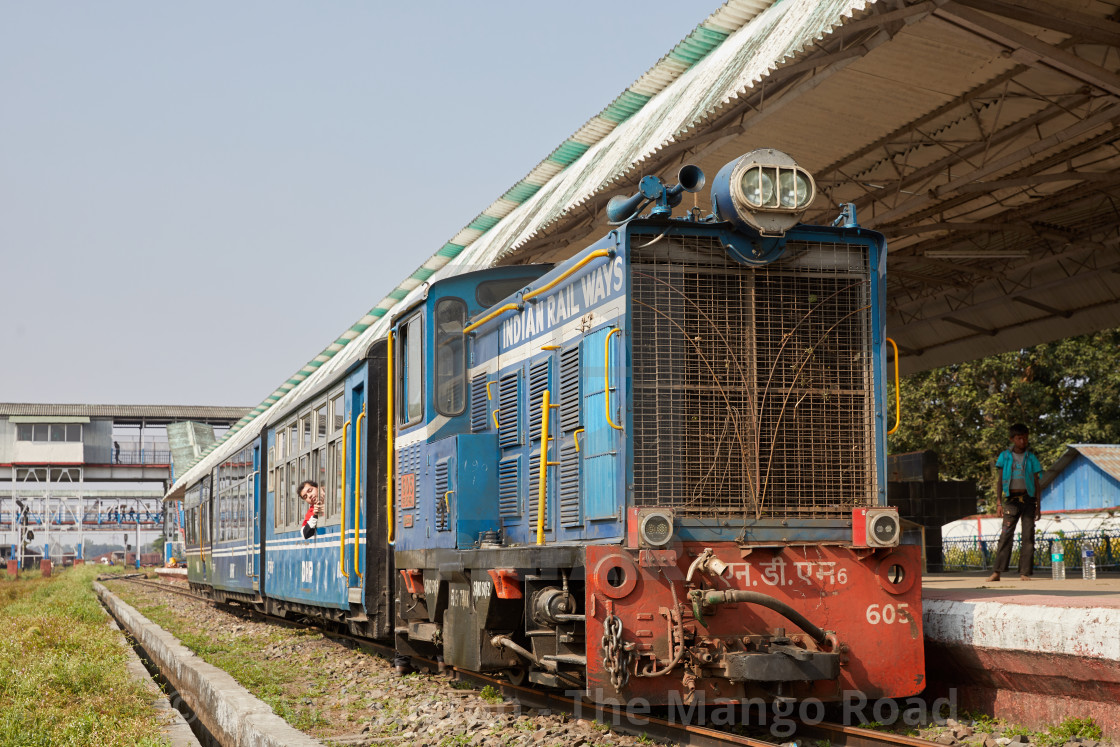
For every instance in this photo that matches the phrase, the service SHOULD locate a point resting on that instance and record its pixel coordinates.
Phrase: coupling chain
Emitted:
(615, 654)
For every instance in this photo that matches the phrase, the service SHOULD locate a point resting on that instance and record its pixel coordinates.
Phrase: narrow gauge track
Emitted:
(838, 735)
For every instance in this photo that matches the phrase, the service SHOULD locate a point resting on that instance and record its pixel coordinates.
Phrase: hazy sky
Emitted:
(196, 198)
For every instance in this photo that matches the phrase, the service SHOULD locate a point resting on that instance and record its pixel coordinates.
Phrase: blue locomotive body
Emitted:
(630, 473)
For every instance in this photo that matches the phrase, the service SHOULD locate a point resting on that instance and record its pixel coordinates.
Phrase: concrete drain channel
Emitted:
(215, 708)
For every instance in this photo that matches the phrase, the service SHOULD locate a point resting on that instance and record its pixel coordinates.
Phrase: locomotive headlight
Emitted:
(795, 189)
(655, 528)
(764, 192)
(885, 530)
(757, 186)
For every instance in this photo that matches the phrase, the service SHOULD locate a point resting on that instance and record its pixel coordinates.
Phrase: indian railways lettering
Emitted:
(563, 305)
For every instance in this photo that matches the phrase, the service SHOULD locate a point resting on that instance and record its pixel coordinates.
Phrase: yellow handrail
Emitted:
(390, 486)
(498, 312)
(495, 416)
(543, 289)
(607, 377)
(575, 436)
(342, 520)
(568, 273)
(358, 488)
(542, 472)
(897, 391)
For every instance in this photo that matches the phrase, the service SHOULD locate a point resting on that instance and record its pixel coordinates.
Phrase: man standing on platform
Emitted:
(1020, 497)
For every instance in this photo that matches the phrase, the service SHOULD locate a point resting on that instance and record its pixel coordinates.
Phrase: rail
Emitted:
(358, 489)
(138, 457)
(342, 519)
(542, 476)
(538, 291)
(607, 377)
(390, 484)
(897, 392)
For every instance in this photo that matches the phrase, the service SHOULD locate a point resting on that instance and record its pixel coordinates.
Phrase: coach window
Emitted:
(411, 355)
(278, 509)
(293, 494)
(338, 413)
(451, 362)
(305, 426)
(321, 423)
(331, 489)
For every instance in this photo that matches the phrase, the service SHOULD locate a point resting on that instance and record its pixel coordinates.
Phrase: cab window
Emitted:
(451, 363)
(410, 406)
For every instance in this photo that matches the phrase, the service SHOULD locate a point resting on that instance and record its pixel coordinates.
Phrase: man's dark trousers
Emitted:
(1013, 510)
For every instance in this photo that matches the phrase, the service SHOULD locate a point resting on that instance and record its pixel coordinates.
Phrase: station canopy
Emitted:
(978, 135)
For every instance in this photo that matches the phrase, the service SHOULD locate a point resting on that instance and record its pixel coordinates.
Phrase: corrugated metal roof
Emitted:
(152, 412)
(1104, 456)
(949, 129)
(551, 189)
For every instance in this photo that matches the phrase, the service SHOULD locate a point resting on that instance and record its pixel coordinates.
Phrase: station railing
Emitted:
(978, 553)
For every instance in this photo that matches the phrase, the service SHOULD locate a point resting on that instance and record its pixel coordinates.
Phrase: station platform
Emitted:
(1033, 652)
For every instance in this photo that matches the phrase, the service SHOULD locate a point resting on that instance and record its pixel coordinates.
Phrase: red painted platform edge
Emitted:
(1030, 689)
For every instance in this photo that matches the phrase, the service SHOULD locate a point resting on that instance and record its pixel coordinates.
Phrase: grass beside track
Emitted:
(63, 676)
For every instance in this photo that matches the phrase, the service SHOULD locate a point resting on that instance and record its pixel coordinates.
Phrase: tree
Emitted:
(1065, 392)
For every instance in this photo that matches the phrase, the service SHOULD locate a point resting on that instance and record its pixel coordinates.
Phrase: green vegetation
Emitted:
(1082, 728)
(1052, 736)
(63, 679)
(490, 694)
(1065, 392)
(269, 680)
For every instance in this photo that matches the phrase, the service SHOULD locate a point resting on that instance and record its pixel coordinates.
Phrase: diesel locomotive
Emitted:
(653, 471)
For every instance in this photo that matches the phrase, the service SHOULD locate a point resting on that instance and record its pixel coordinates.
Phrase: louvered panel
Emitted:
(443, 500)
(538, 383)
(509, 473)
(569, 389)
(569, 486)
(409, 463)
(532, 497)
(480, 405)
(509, 426)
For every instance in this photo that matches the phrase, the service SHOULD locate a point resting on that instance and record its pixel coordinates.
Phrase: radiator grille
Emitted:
(752, 386)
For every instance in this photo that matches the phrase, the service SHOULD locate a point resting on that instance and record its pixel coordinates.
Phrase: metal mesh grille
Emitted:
(752, 386)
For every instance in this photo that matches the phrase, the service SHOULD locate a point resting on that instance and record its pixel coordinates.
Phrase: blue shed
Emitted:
(1086, 476)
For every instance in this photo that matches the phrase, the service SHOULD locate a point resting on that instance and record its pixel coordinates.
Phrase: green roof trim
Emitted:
(483, 223)
(568, 152)
(690, 50)
(624, 107)
(697, 45)
(521, 191)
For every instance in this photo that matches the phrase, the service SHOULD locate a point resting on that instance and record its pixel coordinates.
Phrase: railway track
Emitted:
(634, 724)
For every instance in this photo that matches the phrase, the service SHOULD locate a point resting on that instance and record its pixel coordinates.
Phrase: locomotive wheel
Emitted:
(517, 676)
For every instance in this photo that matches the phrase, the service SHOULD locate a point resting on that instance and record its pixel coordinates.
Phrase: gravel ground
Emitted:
(343, 695)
